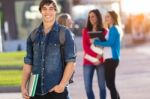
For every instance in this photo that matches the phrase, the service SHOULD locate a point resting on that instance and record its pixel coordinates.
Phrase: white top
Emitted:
(107, 52)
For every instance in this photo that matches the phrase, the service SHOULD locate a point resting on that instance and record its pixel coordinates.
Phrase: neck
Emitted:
(111, 25)
(47, 26)
(94, 27)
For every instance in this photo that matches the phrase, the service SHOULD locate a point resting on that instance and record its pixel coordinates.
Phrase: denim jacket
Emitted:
(43, 54)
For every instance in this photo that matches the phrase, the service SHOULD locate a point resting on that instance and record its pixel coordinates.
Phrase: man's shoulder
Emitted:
(34, 33)
(36, 29)
(65, 29)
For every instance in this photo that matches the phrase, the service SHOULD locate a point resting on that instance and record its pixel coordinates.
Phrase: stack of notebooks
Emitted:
(32, 84)
(91, 58)
(97, 35)
(99, 50)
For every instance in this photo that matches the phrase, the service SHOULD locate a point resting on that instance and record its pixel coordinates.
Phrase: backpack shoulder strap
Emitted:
(33, 34)
(62, 35)
(62, 41)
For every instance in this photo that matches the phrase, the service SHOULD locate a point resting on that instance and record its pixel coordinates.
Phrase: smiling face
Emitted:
(109, 19)
(69, 22)
(93, 18)
(48, 13)
(112, 18)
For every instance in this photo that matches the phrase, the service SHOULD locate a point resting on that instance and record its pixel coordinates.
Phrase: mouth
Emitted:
(47, 16)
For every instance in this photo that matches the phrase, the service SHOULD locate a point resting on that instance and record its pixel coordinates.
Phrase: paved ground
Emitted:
(133, 75)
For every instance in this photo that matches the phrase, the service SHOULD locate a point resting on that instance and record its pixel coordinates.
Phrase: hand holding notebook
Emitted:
(32, 84)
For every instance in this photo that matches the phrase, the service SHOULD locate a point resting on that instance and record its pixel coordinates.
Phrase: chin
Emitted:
(48, 20)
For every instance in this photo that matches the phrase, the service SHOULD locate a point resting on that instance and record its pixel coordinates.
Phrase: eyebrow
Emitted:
(48, 7)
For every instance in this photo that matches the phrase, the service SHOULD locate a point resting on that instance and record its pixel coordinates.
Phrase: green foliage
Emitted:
(10, 77)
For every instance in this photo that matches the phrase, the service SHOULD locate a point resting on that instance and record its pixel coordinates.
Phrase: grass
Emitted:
(12, 59)
(10, 77)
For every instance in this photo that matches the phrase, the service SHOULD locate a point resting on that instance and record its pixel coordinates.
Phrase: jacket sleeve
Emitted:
(113, 33)
(69, 47)
(28, 59)
(86, 43)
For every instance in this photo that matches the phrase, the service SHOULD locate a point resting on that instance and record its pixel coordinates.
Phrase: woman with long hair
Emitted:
(94, 24)
(111, 51)
(65, 19)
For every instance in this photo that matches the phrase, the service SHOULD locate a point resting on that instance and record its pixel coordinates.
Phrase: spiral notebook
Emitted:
(32, 84)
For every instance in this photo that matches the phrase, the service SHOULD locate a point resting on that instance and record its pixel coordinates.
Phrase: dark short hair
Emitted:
(47, 2)
(89, 26)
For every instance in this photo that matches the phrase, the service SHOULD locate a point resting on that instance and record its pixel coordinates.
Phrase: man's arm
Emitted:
(69, 56)
(27, 67)
(25, 76)
(69, 69)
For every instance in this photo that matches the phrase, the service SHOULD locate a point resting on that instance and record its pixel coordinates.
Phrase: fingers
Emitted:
(97, 63)
(51, 90)
(25, 94)
(58, 89)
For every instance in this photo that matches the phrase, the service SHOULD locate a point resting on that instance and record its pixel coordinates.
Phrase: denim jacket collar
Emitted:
(54, 28)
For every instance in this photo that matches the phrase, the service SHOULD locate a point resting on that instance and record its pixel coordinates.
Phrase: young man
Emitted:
(44, 57)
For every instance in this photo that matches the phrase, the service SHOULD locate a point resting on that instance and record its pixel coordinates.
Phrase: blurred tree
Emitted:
(9, 17)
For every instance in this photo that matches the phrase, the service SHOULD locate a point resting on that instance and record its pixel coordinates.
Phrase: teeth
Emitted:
(47, 16)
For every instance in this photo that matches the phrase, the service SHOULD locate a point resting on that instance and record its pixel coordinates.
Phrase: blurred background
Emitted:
(19, 17)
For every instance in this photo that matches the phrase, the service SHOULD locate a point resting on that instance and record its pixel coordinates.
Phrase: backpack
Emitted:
(62, 42)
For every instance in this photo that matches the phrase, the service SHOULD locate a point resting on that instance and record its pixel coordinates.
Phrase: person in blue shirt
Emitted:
(44, 56)
(111, 52)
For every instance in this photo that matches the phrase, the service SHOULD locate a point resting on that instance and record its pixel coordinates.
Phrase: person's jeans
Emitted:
(88, 72)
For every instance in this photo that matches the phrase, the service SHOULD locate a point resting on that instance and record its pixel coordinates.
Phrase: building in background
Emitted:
(137, 20)
(21, 16)
(81, 8)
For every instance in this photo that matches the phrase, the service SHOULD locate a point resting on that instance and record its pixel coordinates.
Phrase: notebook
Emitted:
(91, 58)
(97, 49)
(97, 34)
(32, 84)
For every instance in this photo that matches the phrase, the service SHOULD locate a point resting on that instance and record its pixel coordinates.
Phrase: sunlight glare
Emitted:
(136, 6)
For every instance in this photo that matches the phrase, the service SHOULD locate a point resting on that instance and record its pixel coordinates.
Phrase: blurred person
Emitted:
(44, 57)
(111, 51)
(94, 23)
(66, 20)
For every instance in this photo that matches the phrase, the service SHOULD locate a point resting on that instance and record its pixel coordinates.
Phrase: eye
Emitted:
(52, 8)
(43, 8)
